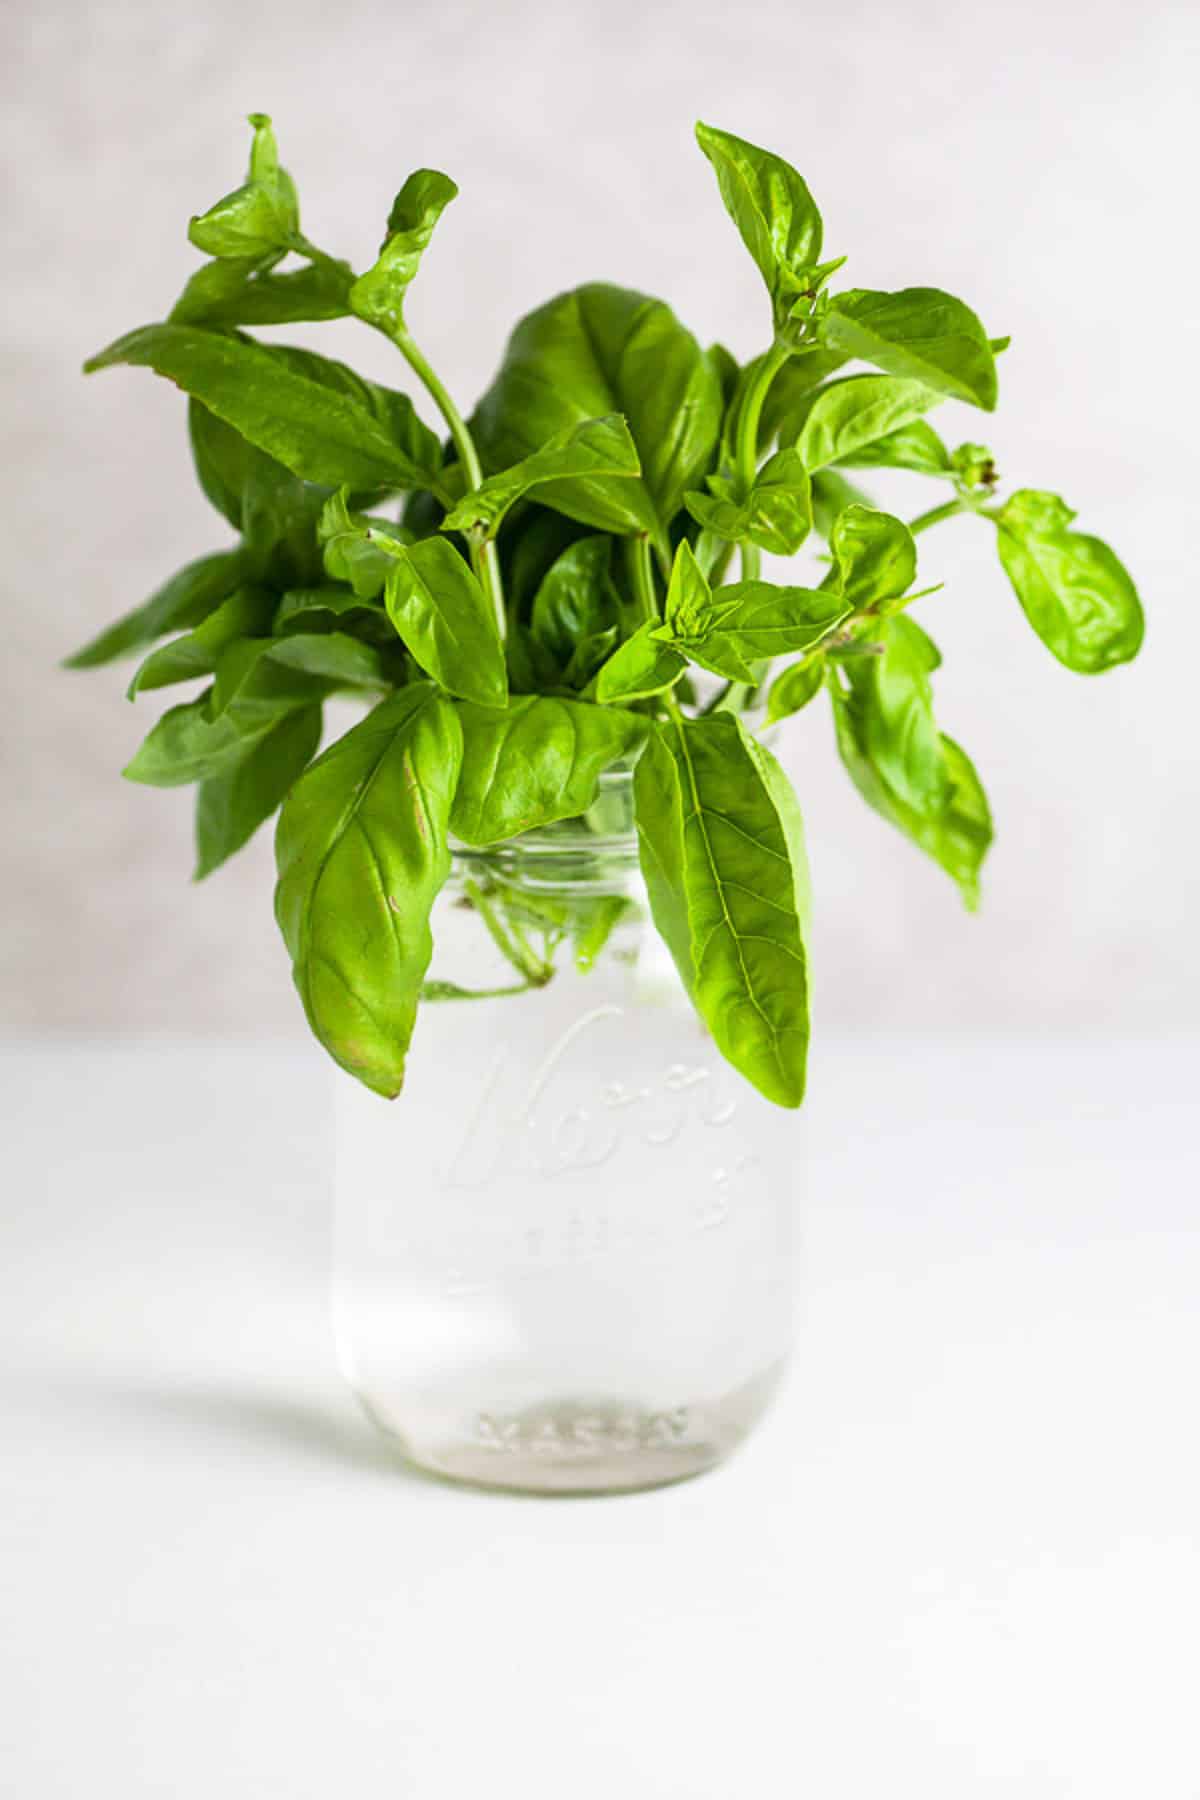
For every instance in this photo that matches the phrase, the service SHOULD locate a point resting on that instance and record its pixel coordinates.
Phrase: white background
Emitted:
(1038, 159)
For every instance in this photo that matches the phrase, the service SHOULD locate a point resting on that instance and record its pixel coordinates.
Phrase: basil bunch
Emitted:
(556, 599)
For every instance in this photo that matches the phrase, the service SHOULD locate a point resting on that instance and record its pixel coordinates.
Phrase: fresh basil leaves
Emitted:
(571, 591)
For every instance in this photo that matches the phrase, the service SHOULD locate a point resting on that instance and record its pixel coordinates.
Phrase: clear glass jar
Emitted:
(564, 1256)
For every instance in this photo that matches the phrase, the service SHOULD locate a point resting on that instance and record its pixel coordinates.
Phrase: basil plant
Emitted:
(571, 583)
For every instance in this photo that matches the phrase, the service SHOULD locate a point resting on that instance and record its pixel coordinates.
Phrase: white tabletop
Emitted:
(961, 1559)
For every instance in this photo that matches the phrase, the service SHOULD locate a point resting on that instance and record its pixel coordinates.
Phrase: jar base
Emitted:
(572, 1447)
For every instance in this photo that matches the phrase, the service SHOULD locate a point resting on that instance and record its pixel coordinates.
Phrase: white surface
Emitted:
(960, 1560)
(1037, 158)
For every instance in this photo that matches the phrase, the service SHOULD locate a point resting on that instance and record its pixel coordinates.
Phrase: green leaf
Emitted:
(598, 350)
(204, 738)
(262, 217)
(776, 515)
(575, 598)
(791, 390)
(831, 494)
(773, 211)
(599, 449)
(362, 854)
(921, 334)
(722, 854)
(357, 548)
(190, 596)
(955, 829)
(894, 719)
(874, 557)
(1074, 590)
(378, 296)
(639, 668)
(231, 807)
(224, 294)
(793, 690)
(914, 446)
(442, 614)
(335, 655)
(835, 421)
(319, 434)
(315, 608)
(247, 611)
(537, 761)
(728, 629)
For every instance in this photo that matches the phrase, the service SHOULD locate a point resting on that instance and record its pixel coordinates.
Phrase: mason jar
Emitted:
(563, 1257)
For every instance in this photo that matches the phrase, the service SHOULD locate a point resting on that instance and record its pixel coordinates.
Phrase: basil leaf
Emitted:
(893, 707)
(588, 656)
(260, 218)
(793, 690)
(190, 596)
(776, 515)
(251, 681)
(316, 432)
(443, 616)
(335, 655)
(361, 851)
(914, 446)
(1074, 590)
(231, 807)
(874, 557)
(197, 740)
(599, 449)
(831, 495)
(638, 669)
(378, 296)
(790, 391)
(575, 598)
(919, 333)
(246, 612)
(773, 210)
(955, 829)
(834, 421)
(729, 628)
(722, 854)
(537, 761)
(248, 295)
(597, 350)
(315, 609)
(359, 549)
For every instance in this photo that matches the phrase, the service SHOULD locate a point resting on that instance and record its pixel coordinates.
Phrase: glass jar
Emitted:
(563, 1257)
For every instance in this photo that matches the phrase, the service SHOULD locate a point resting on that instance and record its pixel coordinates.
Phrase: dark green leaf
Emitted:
(597, 350)
(639, 668)
(333, 654)
(362, 853)
(919, 333)
(588, 655)
(722, 853)
(246, 613)
(776, 515)
(874, 557)
(914, 446)
(259, 218)
(575, 599)
(596, 450)
(190, 596)
(537, 761)
(316, 609)
(231, 807)
(1075, 592)
(773, 211)
(378, 296)
(318, 433)
(835, 421)
(443, 616)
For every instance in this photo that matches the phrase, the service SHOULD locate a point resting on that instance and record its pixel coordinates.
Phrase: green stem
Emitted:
(746, 441)
(511, 945)
(936, 514)
(641, 574)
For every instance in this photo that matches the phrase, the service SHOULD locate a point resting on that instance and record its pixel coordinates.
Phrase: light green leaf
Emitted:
(378, 296)
(443, 616)
(793, 690)
(914, 446)
(261, 218)
(639, 668)
(536, 761)
(224, 294)
(893, 705)
(361, 849)
(190, 596)
(874, 557)
(246, 613)
(599, 449)
(832, 493)
(231, 807)
(919, 333)
(357, 548)
(1074, 590)
(728, 629)
(835, 421)
(598, 350)
(319, 434)
(776, 515)
(773, 211)
(722, 855)
(199, 740)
